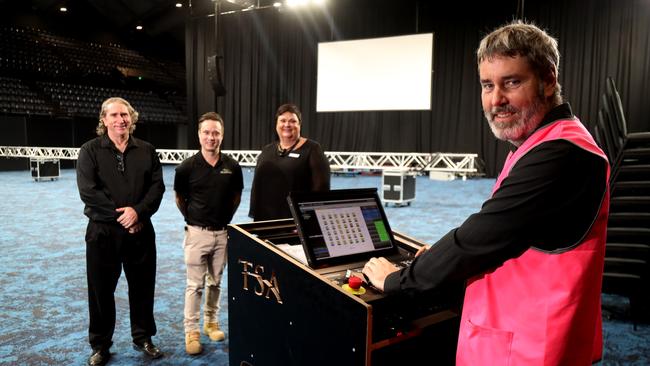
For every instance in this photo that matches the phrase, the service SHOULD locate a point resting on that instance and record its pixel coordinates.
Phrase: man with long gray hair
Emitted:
(121, 184)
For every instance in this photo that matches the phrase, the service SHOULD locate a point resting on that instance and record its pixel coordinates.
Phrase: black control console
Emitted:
(282, 311)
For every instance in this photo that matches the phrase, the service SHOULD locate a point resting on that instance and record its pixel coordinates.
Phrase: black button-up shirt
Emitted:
(108, 179)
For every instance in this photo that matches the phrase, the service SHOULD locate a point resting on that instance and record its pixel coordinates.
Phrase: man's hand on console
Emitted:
(377, 269)
(422, 249)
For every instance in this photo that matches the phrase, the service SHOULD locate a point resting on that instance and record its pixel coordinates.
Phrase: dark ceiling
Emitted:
(163, 22)
(157, 16)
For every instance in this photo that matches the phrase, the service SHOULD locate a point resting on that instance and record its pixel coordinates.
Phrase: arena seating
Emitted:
(43, 73)
(83, 100)
(18, 98)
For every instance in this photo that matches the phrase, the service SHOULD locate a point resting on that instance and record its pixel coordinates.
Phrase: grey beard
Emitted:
(518, 131)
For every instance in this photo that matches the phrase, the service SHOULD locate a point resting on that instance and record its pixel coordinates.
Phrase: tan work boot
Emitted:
(212, 330)
(193, 343)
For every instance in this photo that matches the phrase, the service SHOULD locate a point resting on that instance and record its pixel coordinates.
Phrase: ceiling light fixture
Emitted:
(63, 9)
(138, 27)
(179, 5)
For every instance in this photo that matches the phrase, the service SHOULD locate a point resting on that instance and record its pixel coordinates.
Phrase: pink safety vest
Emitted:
(540, 308)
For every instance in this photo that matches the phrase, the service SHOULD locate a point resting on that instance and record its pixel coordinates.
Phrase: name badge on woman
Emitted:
(294, 155)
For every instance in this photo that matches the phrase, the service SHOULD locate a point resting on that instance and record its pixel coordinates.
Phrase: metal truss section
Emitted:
(464, 164)
(174, 156)
(453, 163)
(246, 158)
(461, 164)
(64, 153)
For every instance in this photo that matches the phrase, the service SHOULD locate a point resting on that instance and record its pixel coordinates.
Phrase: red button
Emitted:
(354, 282)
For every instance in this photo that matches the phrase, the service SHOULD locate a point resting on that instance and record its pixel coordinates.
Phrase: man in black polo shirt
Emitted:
(121, 184)
(208, 189)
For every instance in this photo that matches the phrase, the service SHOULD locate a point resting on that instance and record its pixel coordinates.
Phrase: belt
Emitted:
(210, 228)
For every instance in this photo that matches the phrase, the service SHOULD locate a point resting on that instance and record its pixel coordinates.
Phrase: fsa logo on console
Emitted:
(263, 287)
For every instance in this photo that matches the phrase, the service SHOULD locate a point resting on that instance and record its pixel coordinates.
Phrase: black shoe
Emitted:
(99, 357)
(148, 348)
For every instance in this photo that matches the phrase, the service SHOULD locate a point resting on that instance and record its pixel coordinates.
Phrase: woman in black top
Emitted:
(293, 163)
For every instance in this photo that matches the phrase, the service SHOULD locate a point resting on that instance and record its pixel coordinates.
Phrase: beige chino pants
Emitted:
(205, 259)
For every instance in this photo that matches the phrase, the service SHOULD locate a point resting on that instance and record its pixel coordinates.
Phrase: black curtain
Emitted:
(199, 44)
(270, 58)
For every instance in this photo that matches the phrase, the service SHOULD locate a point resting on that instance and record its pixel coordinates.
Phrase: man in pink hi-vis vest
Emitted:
(532, 257)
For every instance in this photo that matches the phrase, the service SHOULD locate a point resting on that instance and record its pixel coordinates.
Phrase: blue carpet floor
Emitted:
(43, 308)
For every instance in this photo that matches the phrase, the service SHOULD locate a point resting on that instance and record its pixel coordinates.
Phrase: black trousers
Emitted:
(109, 248)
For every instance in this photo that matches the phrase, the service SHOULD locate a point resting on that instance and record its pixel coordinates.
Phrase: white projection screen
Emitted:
(378, 74)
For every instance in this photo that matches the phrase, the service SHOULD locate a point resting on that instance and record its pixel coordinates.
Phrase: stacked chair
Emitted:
(627, 254)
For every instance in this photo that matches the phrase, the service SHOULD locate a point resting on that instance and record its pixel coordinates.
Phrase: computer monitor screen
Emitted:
(341, 225)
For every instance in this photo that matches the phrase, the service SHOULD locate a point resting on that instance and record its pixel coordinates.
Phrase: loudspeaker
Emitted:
(214, 75)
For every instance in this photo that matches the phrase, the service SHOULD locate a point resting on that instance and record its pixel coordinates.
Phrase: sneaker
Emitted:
(193, 343)
(212, 330)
